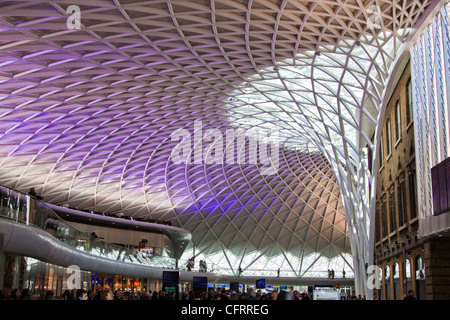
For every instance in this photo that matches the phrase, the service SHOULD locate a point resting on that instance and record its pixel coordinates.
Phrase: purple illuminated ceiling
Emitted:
(86, 114)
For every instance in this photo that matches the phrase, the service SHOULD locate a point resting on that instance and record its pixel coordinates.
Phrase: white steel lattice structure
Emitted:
(430, 59)
(87, 110)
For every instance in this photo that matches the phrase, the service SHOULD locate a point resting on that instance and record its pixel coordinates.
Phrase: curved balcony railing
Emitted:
(23, 208)
(29, 210)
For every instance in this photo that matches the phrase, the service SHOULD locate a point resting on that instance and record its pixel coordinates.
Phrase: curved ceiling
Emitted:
(87, 111)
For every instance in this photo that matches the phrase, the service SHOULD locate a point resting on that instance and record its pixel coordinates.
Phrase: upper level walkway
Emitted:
(30, 227)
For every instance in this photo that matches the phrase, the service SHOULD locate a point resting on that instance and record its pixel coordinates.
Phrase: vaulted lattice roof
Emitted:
(86, 114)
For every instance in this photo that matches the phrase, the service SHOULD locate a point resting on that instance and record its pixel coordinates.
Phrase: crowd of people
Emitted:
(108, 294)
(81, 294)
(218, 294)
(250, 294)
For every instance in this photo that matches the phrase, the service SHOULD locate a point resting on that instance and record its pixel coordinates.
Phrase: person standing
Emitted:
(410, 296)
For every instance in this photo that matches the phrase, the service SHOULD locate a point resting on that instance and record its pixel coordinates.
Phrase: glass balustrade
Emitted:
(29, 210)
(23, 208)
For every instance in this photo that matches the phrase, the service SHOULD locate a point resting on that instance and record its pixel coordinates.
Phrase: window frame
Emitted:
(398, 122)
(381, 154)
(388, 138)
(409, 103)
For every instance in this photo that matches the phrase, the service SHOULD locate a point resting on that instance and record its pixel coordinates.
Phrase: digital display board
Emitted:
(440, 179)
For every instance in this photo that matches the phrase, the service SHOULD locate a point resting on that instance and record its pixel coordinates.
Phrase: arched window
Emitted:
(387, 282)
(409, 102)
(420, 268)
(396, 277)
(398, 122)
(388, 137)
(407, 275)
(408, 270)
(420, 278)
(379, 288)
